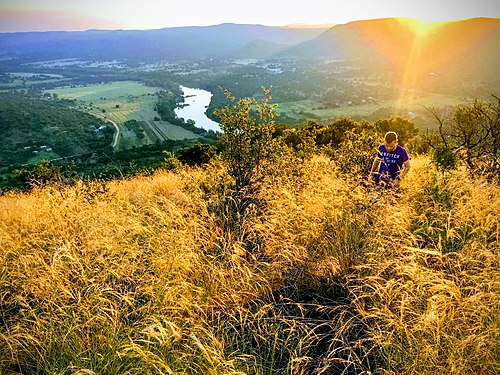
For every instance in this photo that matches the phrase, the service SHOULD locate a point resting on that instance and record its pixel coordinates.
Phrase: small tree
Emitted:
(472, 134)
(247, 141)
(248, 152)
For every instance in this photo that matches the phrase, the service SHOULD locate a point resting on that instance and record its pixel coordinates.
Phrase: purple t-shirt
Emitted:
(392, 162)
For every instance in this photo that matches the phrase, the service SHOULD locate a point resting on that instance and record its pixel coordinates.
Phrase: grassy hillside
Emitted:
(32, 129)
(150, 275)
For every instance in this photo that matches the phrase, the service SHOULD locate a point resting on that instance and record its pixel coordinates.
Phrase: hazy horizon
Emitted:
(51, 15)
(291, 26)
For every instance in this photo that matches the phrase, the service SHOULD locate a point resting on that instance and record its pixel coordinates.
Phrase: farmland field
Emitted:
(23, 80)
(414, 103)
(104, 92)
(43, 156)
(123, 101)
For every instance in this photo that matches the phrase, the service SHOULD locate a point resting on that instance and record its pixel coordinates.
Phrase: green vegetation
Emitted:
(32, 127)
(24, 80)
(135, 127)
(472, 134)
(368, 109)
(248, 142)
(48, 126)
(106, 93)
(319, 90)
(104, 166)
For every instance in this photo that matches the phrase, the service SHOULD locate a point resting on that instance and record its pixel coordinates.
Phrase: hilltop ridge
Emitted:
(459, 50)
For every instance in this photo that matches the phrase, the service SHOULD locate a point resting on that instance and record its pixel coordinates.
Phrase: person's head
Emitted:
(391, 141)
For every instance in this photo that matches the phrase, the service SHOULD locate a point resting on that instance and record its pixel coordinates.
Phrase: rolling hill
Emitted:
(464, 49)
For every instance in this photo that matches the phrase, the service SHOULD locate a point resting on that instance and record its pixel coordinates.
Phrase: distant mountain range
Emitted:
(465, 48)
(225, 40)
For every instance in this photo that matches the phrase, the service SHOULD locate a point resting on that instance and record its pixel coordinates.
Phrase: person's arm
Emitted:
(406, 168)
(402, 173)
(375, 167)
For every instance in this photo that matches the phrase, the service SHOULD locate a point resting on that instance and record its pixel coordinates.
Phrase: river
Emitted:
(197, 101)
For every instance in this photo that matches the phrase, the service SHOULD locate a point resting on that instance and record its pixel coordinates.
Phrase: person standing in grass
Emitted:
(391, 163)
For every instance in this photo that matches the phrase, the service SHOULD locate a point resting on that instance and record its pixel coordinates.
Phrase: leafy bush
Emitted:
(404, 128)
(198, 154)
(43, 173)
(444, 158)
(356, 153)
(247, 140)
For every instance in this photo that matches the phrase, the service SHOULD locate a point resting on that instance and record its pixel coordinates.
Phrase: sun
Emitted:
(421, 28)
(424, 28)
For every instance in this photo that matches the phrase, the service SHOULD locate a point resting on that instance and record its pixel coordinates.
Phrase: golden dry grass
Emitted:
(141, 276)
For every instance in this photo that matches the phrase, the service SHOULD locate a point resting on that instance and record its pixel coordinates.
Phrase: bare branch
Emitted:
(440, 121)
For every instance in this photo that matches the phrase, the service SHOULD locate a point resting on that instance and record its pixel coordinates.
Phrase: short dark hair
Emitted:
(390, 137)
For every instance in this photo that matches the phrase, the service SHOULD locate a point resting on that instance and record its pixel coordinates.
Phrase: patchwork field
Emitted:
(23, 80)
(123, 101)
(411, 105)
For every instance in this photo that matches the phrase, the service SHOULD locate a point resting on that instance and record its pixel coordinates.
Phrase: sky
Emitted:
(52, 15)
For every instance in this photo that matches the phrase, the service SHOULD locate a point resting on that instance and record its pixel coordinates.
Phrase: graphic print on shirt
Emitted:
(391, 162)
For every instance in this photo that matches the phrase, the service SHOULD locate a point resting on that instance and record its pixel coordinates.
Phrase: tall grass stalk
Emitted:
(143, 276)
